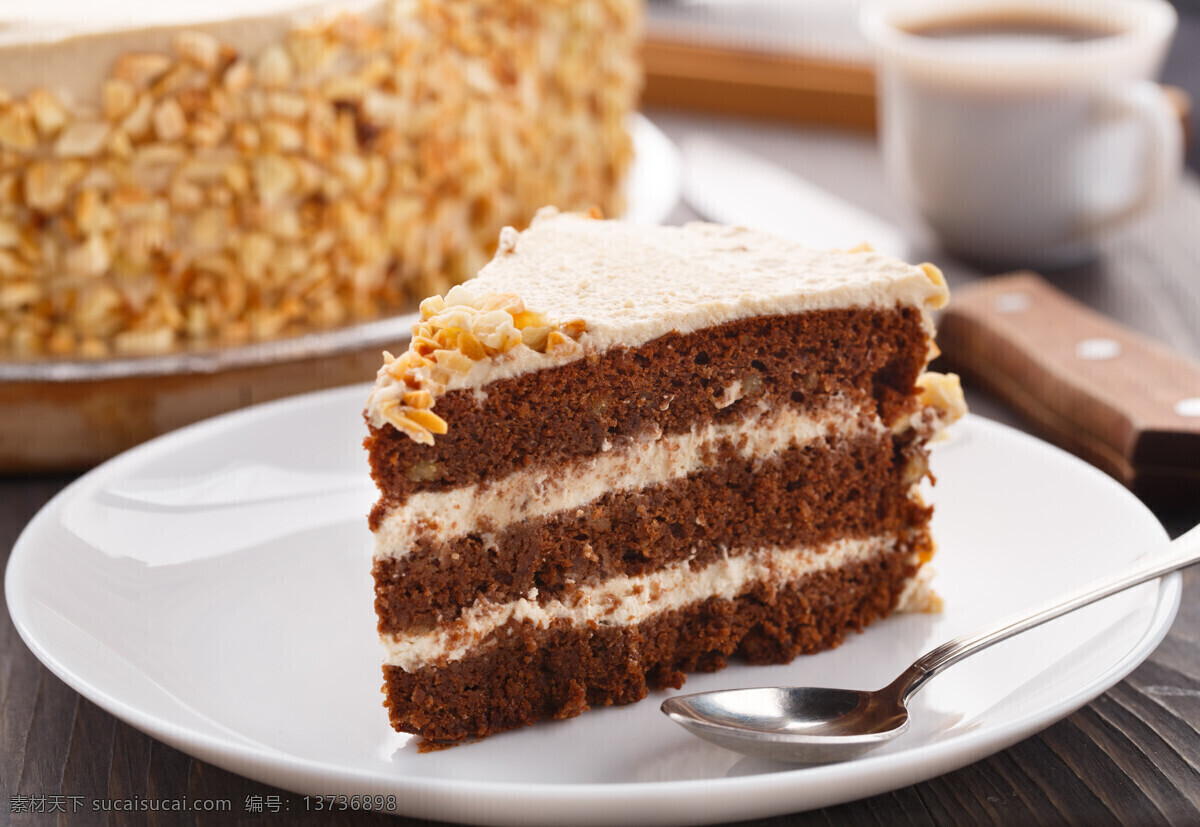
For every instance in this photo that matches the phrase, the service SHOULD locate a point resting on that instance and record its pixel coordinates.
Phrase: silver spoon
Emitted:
(816, 725)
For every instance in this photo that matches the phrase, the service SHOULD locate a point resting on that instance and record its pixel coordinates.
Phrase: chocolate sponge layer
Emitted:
(849, 486)
(672, 383)
(809, 495)
(524, 674)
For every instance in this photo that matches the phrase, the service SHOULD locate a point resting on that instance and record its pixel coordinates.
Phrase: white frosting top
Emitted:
(632, 284)
(68, 46)
(611, 283)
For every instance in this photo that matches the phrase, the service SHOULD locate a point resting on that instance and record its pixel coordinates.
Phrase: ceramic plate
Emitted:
(212, 588)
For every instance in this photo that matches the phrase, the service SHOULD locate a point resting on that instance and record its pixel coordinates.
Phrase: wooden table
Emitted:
(1130, 757)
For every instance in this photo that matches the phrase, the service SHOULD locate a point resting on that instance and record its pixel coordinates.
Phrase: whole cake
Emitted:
(201, 173)
(624, 453)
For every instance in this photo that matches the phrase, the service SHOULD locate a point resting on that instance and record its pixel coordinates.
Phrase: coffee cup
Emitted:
(1024, 131)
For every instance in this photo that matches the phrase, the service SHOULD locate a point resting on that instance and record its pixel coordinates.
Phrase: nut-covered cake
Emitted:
(624, 453)
(175, 174)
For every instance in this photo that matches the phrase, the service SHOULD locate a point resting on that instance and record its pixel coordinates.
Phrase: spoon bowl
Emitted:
(817, 725)
(794, 724)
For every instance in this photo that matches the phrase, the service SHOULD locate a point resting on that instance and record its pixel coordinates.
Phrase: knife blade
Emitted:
(730, 186)
(1108, 394)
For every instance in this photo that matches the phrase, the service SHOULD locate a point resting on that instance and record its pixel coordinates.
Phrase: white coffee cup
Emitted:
(1022, 131)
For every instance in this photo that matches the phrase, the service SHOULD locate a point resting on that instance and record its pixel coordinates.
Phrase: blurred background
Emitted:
(717, 55)
(788, 84)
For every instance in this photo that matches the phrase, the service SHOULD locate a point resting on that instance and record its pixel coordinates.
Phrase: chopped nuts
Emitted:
(273, 177)
(454, 333)
(418, 399)
(88, 259)
(92, 215)
(47, 182)
(48, 113)
(941, 403)
(287, 105)
(117, 97)
(97, 312)
(942, 392)
(141, 69)
(238, 77)
(427, 419)
(915, 468)
(274, 67)
(10, 236)
(281, 136)
(935, 275)
(208, 129)
(170, 123)
(311, 50)
(138, 122)
(343, 171)
(16, 128)
(202, 49)
(144, 342)
(18, 294)
(82, 139)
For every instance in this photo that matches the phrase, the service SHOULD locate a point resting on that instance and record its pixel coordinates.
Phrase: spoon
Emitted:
(817, 725)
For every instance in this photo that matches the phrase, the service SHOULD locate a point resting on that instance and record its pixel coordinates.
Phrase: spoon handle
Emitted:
(1181, 553)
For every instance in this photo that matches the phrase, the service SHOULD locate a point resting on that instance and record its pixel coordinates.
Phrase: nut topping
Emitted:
(347, 169)
(455, 333)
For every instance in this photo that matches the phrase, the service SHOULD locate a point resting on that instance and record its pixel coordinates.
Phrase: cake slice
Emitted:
(624, 453)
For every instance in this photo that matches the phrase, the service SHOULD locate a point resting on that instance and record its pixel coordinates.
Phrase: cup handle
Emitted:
(1148, 104)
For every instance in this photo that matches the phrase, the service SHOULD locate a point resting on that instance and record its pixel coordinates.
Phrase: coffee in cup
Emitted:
(1021, 131)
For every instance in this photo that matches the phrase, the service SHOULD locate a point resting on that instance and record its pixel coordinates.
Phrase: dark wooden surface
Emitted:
(1130, 757)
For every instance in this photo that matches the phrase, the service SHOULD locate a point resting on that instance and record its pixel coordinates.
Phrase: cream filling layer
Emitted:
(624, 601)
(656, 459)
(632, 284)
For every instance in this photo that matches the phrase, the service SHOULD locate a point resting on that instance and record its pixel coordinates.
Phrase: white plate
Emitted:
(212, 588)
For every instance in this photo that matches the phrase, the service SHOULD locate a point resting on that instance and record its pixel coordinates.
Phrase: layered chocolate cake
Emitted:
(624, 453)
(187, 174)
